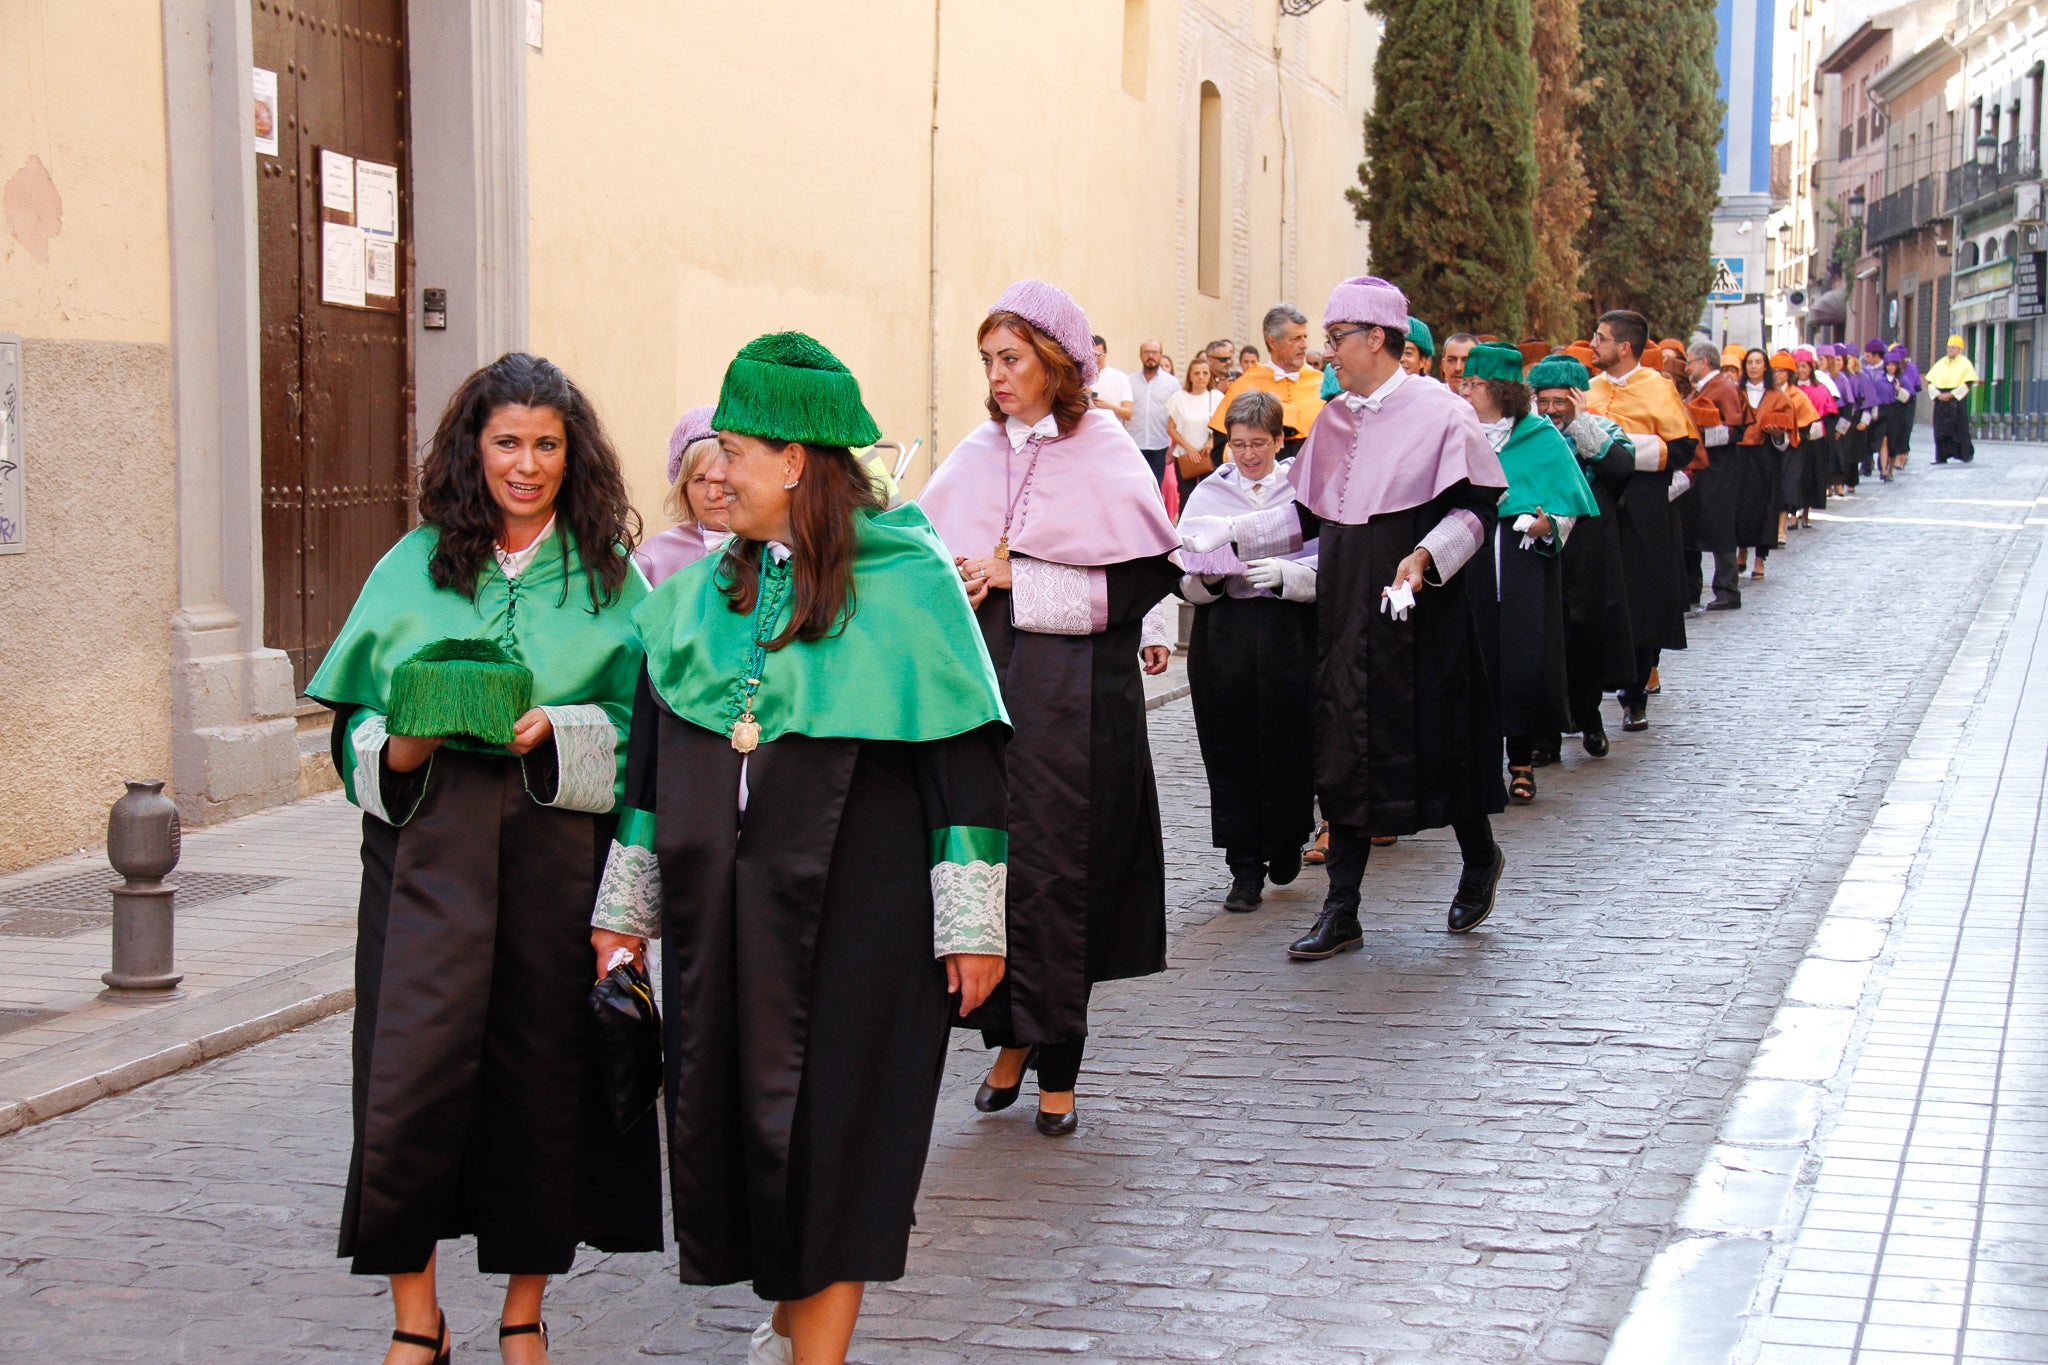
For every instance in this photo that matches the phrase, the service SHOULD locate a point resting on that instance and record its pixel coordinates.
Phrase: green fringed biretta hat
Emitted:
(460, 687)
(786, 386)
(1490, 360)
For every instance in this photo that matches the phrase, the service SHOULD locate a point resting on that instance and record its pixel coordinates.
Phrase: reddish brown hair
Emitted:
(833, 490)
(1069, 395)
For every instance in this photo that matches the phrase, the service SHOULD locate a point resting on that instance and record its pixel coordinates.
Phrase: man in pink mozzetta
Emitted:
(1400, 482)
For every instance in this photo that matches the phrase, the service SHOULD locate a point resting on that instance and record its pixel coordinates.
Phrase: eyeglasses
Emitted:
(1333, 339)
(1255, 446)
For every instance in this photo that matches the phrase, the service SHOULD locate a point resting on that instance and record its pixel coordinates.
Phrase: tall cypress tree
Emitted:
(1564, 199)
(1451, 164)
(1649, 135)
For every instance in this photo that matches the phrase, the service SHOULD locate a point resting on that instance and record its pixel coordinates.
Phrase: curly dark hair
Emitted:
(1511, 396)
(456, 499)
(834, 488)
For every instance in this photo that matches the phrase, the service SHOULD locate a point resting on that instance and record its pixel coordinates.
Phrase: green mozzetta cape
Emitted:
(543, 619)
(909, 664)
(1543, 471)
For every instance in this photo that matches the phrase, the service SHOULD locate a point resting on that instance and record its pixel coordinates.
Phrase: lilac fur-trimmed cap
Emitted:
(1052, 310)
(695, 427)
(1370, 300)
(1873, 347)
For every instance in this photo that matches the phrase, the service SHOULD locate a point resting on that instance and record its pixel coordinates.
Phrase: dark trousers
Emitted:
(1058, 1064)
(1646, 664)
(1351, 845)
(1521, 750)
(1156, 459)
(1725, 579)
(1187, 486)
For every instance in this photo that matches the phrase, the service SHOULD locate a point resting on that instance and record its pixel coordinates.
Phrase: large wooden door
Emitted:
(337, 377)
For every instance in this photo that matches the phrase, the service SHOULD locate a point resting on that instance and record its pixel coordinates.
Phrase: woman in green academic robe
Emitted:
(477, 1110)
(817, 828)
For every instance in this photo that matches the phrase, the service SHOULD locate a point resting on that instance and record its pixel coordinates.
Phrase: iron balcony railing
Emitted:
(1969, 182)
(1906, 211)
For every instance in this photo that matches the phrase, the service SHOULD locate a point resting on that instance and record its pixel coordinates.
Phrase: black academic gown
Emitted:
(1518, 598)
(1087, 889)
(1407, 736)
(478, 1103)
(805, 1013)
(1251, 671)
(1599, 643)
(1652, 551)
(1952, 439)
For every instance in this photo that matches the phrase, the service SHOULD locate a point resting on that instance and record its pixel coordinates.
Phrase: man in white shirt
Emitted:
(1112, 391)
(1152, 388)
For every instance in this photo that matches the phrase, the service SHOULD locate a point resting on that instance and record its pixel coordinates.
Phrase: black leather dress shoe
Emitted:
(1285, 868)
(1635, 716)
(1595, 742)
(992, 1099)
(1725, 604)
(1476, 888)
(1336, 931)
(1057, 1125)
(1245, 892)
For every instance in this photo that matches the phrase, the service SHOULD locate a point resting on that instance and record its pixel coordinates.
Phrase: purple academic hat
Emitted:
(1897, 352)
(1367, 299)
(1053, 311)
(1874, 346)
(695, 427)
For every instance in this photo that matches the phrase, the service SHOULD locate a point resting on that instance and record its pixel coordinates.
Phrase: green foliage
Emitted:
(1649, 136)
(1450, 174)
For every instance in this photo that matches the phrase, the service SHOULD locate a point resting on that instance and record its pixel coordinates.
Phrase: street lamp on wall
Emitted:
(1987, 150)
(1858, 203)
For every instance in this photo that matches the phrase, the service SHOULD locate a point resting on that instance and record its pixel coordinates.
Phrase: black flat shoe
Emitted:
(1476, 888)
(439, 1343)
(1284, 869)
(1245, 892)
(1057, 1125)
(1595, 742)
(1634, 717)
(1725, 604)
(1336, 931)
(992, 1099)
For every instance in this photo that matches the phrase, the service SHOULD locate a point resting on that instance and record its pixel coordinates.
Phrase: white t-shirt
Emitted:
(1191, 413)
(1112, 386)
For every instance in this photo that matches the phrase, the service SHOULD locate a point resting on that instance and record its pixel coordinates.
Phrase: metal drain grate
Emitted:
(20, 1018)
(52, 923)
(87, 892)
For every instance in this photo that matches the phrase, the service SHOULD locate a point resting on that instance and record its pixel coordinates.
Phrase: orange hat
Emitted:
(1731, 357)
(1582, 352)
(1783, 361)
(1533, 351)
(1677, 346)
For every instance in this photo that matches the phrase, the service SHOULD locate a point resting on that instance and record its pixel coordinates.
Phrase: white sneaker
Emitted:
(769, 1347)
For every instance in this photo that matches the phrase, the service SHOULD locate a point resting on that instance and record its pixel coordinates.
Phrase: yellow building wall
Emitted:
(85, 281)
(699, 174)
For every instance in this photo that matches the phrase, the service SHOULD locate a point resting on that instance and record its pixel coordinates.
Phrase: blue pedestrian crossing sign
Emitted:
(1727, 287)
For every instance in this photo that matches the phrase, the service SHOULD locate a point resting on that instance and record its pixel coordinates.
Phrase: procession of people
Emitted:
(843, 773)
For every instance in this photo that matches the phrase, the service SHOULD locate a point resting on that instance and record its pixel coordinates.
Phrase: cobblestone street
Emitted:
(1440, 1150)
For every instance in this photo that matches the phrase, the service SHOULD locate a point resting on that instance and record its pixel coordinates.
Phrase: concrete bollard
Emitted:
(142, 845)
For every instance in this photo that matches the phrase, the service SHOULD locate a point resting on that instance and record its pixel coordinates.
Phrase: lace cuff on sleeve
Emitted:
(1058, 599)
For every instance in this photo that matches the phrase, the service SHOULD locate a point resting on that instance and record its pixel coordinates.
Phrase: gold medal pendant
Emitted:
(746, 733)
(1003, 548)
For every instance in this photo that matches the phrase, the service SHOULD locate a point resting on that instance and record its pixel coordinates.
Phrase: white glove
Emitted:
(1194, 590)
(1679, 483)
(1298, 580)
(1842, 426)
(1265, 574)
(1203, 534)
(1714, 436)
(1816, 429)
(1397, 602)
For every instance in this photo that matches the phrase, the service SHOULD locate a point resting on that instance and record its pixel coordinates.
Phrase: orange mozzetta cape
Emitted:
(1647, 403)
(1300, 398)
(1784, 409)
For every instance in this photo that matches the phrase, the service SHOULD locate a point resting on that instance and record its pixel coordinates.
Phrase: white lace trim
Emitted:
(1274, 531)
(367, 739)
(586, 758)
(629, 896)
(1155, 630)
(1051, 599)
(968, 908)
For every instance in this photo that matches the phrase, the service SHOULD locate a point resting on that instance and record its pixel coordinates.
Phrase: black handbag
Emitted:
(628, 1039)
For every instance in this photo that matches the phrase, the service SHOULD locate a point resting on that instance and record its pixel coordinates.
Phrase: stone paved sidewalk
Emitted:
(1439, 1150)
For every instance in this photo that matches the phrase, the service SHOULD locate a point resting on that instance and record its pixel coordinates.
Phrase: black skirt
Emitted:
(1755, 495)
(1518, 598)
(1652, 547)
(1251, 670)
(477, 1107)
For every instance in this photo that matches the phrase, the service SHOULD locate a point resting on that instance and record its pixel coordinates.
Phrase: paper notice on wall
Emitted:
(13, 537)
(337, 181)
(536, 23)
(377, 199)
(266, 111)
(380, 268)
(342, 260)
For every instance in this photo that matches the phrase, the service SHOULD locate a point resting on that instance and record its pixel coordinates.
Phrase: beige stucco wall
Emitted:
(663, 236)
(85, 280)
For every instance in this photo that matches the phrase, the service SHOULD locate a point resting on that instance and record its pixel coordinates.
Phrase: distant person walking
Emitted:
(1152, 389)
(1951, 378)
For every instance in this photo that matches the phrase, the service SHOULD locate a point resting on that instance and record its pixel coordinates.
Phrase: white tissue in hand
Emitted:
(1397, 601)
(618, 955)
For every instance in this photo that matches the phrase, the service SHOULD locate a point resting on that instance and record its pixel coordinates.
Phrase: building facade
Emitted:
(1797, 154)
(251, 246)
(1909, 228)
(1746, 38)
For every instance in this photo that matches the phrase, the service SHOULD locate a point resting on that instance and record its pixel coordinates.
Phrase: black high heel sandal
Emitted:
(439, 1343)
(991, 1099)
(526, 1329)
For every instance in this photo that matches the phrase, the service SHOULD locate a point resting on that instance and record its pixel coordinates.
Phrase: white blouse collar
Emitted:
(1046, 428)
(512, 563)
